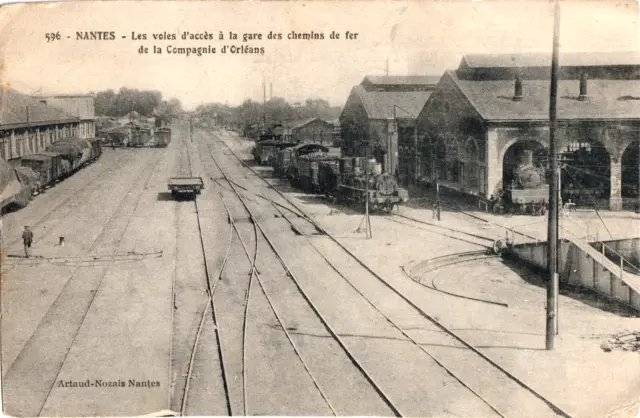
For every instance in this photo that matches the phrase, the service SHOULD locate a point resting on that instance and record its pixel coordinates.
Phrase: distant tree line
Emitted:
(276, 110)
(145, 102)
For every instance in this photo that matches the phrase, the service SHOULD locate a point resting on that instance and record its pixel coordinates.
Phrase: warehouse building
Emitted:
(484, 116)
(378, 120)
(312, 130)
(28, 126)
(79, 105)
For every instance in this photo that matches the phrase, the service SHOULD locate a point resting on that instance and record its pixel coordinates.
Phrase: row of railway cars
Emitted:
(315, 168)
(137, 135)
(44, 169)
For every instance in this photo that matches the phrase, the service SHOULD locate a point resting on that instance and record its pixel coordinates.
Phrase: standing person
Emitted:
(27, 240)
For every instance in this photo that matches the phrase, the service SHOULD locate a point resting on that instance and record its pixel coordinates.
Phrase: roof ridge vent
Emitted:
(517, 97)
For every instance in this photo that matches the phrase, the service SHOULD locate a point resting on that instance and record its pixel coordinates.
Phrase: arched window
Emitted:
(470, 150)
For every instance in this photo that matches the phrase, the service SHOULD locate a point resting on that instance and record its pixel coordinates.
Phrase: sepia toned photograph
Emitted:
(320, 208)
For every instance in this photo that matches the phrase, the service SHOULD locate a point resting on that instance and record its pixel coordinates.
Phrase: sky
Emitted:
(416, 37)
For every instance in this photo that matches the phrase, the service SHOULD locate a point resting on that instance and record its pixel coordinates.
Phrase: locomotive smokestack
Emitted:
(583, 87)
(527, 157)
(518, 96)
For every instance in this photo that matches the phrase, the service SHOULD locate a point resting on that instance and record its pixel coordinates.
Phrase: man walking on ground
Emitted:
(27, 239)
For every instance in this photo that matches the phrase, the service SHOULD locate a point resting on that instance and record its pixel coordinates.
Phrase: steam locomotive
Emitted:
(383, 191)
(315, 169)
(527, 192)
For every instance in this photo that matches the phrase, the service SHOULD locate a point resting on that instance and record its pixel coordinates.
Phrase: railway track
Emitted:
(269, 243)
(450, 260)
(66, 335)
(210, 307)
(74, 195)
(488, 361)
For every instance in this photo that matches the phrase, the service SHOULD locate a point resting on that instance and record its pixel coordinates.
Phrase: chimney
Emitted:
(583, 87)
(527, 158)
(518, 96)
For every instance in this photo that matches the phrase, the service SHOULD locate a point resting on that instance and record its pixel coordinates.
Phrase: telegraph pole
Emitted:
(552, 227)
(264, 105)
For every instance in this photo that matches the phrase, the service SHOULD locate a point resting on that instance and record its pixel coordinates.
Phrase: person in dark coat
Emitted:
(27, 240)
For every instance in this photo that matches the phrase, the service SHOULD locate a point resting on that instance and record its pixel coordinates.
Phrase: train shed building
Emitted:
(379, 118)
(81, 106)
(493, 111)
(28, 126)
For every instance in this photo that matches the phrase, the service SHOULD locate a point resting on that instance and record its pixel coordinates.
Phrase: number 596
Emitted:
(52, 36)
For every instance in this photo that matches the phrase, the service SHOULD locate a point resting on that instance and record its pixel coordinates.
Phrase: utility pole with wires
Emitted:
(264, 105)
(366, 219)
(386, 72)
(552, 227)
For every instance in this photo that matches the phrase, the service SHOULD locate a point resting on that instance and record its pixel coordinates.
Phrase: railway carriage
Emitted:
(118, 137)
(140, 136)
(162, 137)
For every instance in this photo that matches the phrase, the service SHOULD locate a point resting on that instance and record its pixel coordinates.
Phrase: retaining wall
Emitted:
(579, 268)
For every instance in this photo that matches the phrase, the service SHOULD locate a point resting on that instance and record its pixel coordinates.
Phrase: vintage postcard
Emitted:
(349, 208)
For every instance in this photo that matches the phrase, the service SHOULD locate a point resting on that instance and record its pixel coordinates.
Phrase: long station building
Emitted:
(28, 124)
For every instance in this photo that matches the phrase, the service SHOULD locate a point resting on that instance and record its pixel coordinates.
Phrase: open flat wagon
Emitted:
(185, 186)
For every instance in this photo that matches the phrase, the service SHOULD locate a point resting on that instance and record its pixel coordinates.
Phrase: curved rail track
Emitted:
(452, 260)
(553, 407)
(291, 275)
(210, 305)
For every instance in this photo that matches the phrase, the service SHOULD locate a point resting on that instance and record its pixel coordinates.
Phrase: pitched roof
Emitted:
(381, 104)
(298, 123)
(402, 79)
(13, 111)
(568, 59)
(608, 99)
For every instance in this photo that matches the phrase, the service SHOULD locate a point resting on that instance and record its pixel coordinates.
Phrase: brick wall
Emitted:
(452, 139)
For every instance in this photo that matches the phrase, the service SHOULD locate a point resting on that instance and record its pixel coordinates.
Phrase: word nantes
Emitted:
(99, 383)
(95, 36)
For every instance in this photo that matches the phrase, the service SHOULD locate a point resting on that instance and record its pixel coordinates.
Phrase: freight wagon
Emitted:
(13, 193)
(283, 161)
(303, 169)
(29, 179)
(49, 167)
(265, 151)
